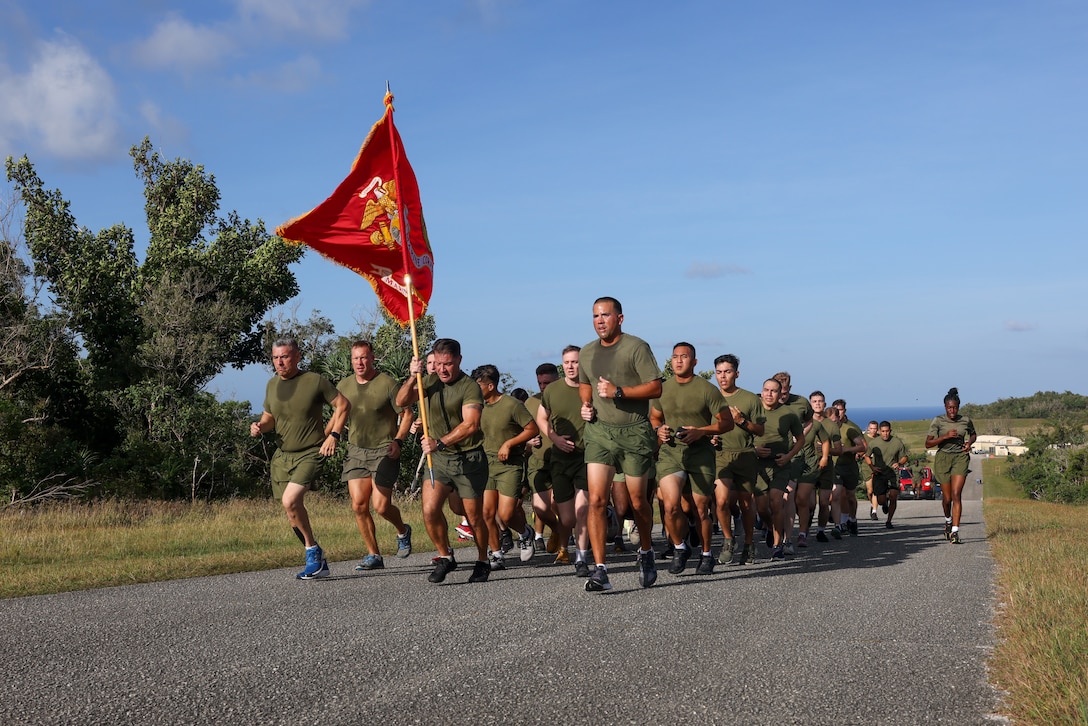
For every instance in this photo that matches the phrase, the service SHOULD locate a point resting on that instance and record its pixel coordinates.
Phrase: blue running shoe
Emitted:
(371, 562)
(404, 542)
(316, 566)
(598, 581)
(647, 570)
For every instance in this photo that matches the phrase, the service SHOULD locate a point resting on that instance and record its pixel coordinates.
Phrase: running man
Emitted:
(293, 404)
(847, 472)
(454, 406)
(376, 431)
(783, 438)
(617, 378)
(689, 412)
(885, 456)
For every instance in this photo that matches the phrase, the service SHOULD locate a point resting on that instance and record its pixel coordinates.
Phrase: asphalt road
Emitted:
(891, 627)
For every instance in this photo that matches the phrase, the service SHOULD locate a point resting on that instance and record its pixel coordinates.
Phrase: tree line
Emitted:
(104, 357)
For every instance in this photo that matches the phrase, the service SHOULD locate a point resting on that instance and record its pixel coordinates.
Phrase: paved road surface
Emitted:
(892, 627)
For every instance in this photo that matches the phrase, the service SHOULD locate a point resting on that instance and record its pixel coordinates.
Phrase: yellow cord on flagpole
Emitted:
(419, 373)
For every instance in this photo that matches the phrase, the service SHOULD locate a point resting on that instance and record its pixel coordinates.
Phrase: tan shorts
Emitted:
(371, 464)
(295, 467)
(466, 473)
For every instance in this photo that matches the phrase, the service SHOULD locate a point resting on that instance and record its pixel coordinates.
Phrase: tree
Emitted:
(154, 333)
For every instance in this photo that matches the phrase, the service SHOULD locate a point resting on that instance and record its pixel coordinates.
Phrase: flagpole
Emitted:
(404, 242)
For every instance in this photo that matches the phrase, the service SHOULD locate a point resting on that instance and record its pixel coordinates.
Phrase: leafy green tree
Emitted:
(154, 333)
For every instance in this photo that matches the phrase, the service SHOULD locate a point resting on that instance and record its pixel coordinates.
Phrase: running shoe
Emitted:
(631, 531)
(747, 555)
(526, 546)
(443, 567)
(404, 542)
(872, 514)
(668, 552)
(561, 558)
(496, 560)
(948, 530)
(889, 525)
(371, 562)
(802, 540)
(617, 543)
(464, 531)
(598, 581)
(506, 540)
(706, 565)
(852, 526)
(679, 562)
(539, 545)
(480, 572)
(836, 532)
(778, 554)
(821, 536)
(726, 555)
(647, 570)
(954, 538)
(316, 566)
(581, 569)
(787, 547)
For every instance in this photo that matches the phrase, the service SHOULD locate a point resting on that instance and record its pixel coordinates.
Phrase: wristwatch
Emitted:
(618, 393)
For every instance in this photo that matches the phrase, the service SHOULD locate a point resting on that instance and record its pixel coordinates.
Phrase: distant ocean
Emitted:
(862, 415)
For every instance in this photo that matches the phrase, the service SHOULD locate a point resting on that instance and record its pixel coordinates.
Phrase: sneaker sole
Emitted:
(323, 572)
(594, 586)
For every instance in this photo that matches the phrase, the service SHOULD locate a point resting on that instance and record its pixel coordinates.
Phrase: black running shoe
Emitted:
(506, 540)
(598, 581)
(480, 572)
(647, 570)
(581, 569)
(679, 561)
(889, 525)
(821, 536)
(706, 565)
(948, 530)
(954, 538)
(443, 567)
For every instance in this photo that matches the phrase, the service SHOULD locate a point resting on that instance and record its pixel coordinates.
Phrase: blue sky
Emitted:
(885, 199)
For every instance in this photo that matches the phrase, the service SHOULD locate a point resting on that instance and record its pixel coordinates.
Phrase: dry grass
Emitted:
(80, 546)
(1041, 660)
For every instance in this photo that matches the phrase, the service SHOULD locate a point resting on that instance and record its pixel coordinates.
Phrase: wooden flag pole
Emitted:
(404, 242)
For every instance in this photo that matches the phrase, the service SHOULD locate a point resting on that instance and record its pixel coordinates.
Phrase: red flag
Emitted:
(361, 225)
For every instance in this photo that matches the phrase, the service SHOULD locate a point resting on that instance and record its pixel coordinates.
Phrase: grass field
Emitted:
(1040, 660)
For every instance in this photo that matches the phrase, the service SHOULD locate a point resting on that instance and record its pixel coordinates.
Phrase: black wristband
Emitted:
(440, 445)
(335, 435)
(400, 442)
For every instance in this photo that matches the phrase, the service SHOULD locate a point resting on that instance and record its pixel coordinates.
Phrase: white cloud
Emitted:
(65, 102)
(298, 75)
(1018, 326)
(165, 129)
(326, 19)
(710, 270)
(177, 44)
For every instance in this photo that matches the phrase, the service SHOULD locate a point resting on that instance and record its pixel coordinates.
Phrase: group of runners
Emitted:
(606, 438)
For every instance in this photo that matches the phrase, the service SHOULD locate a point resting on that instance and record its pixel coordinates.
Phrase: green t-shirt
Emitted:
(564, 407)
(781, 427)
(814, 439)
(501, 421)
(695, 403)
(941, 425)
(538, 455)
(800, 406)
(848, 432)
(832, 430)
(444, 403)
(372, 422)
(885, 453)
(751, 406)
(296, 405)
(628, 362)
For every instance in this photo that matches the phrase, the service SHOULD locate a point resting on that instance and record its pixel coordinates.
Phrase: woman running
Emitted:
(953, 435)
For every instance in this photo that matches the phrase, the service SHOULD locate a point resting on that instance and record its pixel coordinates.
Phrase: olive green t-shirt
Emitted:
(751, 406)
(538, 455)
(814, 439)
(885, 453)
(941, 425)
(444, 403)
(848, 433)
(800, 406)
(501, 421)
(695, 403)
(296, 405)
(564, 407)
(372, 422)
(781, 427)
(628, 362)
